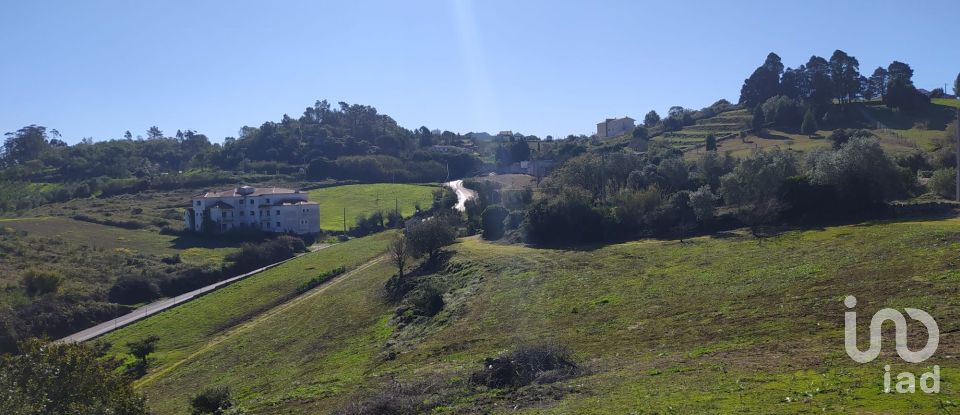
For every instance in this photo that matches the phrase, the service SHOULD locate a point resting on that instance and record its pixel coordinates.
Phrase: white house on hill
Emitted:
(270, 209)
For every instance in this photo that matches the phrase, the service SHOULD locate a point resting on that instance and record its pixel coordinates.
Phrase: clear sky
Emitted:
(98, 68)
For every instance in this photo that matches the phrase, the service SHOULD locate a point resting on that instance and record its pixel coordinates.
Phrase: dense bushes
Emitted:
(943, 183)
(134, 289)
(526, 365)
(253, 256)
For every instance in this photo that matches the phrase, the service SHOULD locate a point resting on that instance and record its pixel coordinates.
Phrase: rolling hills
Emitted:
(710, 324)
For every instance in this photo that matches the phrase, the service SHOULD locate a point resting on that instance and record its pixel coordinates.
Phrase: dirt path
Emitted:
(463, 194)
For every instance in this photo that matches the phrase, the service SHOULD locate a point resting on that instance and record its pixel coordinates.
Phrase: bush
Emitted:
(217, 400)
(860, 171)
(133, 290)
(943, 183)
(39, 282)
(427, 300)
(526, 365)
(492, 221)
(253, 256)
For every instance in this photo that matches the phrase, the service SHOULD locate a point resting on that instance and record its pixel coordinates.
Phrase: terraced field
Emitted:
(721, 125)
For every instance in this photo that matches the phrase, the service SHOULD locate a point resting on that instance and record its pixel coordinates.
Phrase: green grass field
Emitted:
(190, 327)
(955, 103)
(364, 199)
(710, 325)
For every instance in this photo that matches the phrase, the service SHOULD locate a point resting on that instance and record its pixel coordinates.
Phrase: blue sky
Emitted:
(98, 68)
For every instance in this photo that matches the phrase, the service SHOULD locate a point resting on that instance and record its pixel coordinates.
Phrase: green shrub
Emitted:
(40, 282)
(217, 400)
(943, 183)
(492, 221)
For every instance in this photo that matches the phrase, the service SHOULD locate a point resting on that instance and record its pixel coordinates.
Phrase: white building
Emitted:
(612, 127)
(270, 209)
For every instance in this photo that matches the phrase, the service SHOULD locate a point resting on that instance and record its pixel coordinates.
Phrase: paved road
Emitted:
(160, 305)
(463, 194)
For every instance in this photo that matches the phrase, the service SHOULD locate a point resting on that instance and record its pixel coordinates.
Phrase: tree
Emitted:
(428, 236)
(154, 133)
(24, 145)
(492, 221)
(845, 73)
(399, 252)
(758, 179)
(641, 133)
(65, 378)
(711, 142)
(819, 84)
(703, 202)
(809, 125)
(763, 83)
(141, 349)
(901, 92)
(127, 135)
(956, 86)
(878, 82)
(652, 118)
(900, 72)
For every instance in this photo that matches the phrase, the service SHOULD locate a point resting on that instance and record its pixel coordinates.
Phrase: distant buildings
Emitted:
(612, 127)
(270, 209)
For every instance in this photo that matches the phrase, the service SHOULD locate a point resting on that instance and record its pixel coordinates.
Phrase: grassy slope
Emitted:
(185, 329)
(361, 199)
(710, 325)
(77, 232)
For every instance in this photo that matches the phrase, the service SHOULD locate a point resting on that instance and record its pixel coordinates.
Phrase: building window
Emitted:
(278, 213)
(241, 201)
(268, 200)
(278, 224)
(251, 213)
(241, 213)
(224, 214)
(198, 203)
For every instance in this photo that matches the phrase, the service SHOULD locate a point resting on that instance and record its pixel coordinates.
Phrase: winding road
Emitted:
(463, 194)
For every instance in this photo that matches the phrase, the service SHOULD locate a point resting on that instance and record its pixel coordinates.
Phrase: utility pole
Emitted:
(344, 220)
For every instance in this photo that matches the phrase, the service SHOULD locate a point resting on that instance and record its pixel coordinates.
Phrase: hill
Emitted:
(705, 325)
(899, 132)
